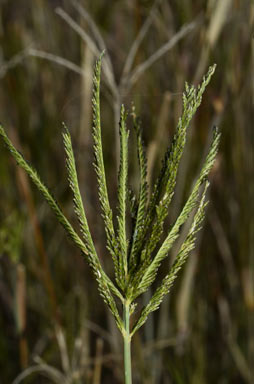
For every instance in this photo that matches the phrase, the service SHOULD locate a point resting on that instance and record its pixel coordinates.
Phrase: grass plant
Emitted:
(138, 258)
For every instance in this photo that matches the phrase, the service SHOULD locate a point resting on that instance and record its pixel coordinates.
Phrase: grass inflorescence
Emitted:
(136, 259)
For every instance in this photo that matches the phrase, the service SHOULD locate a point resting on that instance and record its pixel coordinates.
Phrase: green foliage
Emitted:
(136, 260)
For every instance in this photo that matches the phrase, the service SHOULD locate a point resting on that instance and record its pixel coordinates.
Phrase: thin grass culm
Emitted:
(136, 259)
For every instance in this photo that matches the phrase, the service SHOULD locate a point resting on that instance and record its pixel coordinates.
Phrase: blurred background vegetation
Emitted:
(53, 324)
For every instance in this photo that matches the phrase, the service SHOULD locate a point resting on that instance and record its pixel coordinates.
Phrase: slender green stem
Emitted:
(127, 343)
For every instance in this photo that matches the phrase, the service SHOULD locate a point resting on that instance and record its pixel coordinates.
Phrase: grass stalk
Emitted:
(127, 343)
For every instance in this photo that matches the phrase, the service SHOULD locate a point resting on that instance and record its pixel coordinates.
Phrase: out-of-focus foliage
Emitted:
(205, 334)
